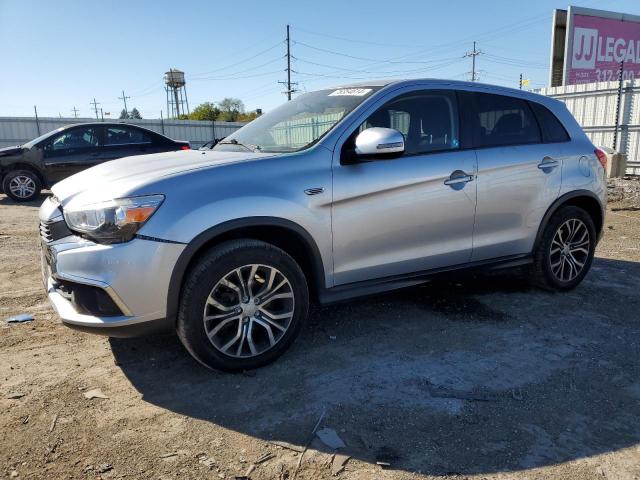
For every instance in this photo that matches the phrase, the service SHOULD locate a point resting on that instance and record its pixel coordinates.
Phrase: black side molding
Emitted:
(561, 201)
(349, 291)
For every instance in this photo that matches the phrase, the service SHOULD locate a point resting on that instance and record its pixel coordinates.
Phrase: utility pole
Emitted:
(101, 114)
(95, 106)
(288, 83)
(520, 81)
(124, 99)
(35, 109)
(288, 64)
(473, 54)
(618, 105)
(75, 112)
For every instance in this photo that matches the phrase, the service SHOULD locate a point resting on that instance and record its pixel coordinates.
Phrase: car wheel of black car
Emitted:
(242, 305)
(21, 185)
(565, 251)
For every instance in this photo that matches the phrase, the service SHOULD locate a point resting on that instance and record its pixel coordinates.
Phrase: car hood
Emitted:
(125, 176)
(6, 151)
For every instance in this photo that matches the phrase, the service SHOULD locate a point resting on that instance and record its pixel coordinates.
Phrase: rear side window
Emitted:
(552, 129)
(504, 121)
(125, 135)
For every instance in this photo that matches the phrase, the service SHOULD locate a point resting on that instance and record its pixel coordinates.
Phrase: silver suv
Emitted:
(339, 193)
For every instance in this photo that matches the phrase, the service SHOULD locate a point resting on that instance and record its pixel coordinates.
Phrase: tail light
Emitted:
(602, 157)
(185, 147)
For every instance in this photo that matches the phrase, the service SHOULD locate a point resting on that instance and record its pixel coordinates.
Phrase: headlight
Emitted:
(114, 221)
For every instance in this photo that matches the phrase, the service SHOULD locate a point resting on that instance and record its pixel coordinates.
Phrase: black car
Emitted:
(38, 164)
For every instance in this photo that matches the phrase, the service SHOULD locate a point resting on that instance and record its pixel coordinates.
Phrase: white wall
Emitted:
(594, 107)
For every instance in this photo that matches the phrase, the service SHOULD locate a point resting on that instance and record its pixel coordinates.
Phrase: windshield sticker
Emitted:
(351, 92)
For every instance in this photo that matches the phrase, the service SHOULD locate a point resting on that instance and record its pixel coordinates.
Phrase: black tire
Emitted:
(542, 272)
(34, 183)
(214, 266)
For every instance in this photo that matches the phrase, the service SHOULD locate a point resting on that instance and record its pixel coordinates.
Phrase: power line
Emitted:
(262, 52)
(155, 85)
(383, 72)
(262, 74)
(398, 74)
(355, 57)
(513, 62)
(353, 40)
(231, 76)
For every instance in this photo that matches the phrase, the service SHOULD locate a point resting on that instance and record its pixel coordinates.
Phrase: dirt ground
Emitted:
(481, 377)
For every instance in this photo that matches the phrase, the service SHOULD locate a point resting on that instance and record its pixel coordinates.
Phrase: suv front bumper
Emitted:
(115, 290)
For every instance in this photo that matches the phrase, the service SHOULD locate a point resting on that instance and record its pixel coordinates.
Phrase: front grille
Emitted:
(52, 231)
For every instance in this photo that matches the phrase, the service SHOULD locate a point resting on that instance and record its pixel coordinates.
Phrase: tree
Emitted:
(247, 117)
(205, 111)
(231, 109)
(135, 114)
(124, 115)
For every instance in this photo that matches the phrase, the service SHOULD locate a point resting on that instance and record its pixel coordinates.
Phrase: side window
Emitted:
(427, 119)
(552, 129)
(505, 121)
(122, 135)
(74, 139)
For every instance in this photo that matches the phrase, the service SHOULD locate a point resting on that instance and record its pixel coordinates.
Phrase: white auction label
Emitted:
(353, 92)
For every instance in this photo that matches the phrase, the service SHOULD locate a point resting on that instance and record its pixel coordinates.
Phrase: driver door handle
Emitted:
(458, 177)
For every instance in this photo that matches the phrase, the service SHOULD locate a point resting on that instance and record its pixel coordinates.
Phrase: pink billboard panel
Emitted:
(599, 45)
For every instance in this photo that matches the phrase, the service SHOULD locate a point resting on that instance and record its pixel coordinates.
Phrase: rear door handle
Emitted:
(548, 163)
(458, 178)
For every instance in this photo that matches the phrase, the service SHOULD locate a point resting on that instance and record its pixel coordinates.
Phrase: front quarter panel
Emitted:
(266, 187)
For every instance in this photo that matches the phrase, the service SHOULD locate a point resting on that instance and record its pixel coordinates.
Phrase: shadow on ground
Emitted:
(36, 202)
(480, 375)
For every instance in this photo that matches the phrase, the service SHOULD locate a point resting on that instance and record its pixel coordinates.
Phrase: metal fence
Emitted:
(18, 130)
(300, 132)
(594, 107)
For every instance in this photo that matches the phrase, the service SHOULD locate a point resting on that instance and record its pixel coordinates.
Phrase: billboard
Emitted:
(594, 47)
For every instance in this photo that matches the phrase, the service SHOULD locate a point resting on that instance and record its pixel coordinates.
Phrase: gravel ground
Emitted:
(482, 377)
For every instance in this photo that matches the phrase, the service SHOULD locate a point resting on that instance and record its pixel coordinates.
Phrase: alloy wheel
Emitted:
(249, 310)
(570, 250)
(22, 186)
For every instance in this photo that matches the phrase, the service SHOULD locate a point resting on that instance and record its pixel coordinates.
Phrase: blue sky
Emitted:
(61, 54)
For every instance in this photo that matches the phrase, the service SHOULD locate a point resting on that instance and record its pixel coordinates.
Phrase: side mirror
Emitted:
(379, 141)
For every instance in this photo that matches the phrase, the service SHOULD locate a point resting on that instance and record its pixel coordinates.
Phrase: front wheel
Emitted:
(242, 305)
(565, 252)
(21, 185)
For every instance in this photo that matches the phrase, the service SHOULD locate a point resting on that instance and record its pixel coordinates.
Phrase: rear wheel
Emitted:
(21, 185)
(242, 305)
(565, 252)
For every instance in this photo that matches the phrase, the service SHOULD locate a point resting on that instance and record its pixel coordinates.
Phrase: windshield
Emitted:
(297, 124)
(31, 143)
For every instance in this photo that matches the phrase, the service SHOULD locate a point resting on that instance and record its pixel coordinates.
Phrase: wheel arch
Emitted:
(284, 234)
(584, 199)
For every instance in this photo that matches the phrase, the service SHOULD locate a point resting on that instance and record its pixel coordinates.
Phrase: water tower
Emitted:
(176, 93)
